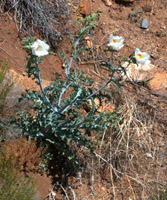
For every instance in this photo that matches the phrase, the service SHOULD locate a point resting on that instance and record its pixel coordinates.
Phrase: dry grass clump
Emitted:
(48, 17)
(132, 161)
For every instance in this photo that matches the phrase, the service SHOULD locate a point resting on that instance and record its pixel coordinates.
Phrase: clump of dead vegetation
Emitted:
(132, 160)
(129, 162)
(25, 153)
(48, 18)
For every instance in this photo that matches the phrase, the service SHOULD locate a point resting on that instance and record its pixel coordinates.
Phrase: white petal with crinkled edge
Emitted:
(142, 57)
(115, 42)
(39, 48)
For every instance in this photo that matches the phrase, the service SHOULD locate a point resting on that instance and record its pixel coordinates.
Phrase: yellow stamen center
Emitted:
(114, 41)
(140, 56)
(38, 47)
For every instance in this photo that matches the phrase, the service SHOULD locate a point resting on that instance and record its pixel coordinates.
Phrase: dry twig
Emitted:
(46, 17)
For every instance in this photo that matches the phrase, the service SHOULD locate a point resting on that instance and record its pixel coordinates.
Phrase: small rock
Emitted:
(124, 1)
(24, 73)
(149, 155)
(159, 83)
(12, 99)
(89, 43)
(85, 8)
(139, 72)
(144, 23)
(107, 2)
(63, 66)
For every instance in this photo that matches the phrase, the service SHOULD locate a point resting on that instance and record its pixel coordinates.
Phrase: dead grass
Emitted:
(129, 163)
(46, 17)
(134, 157)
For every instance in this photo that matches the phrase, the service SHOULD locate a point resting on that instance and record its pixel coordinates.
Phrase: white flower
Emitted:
(39, 48)
(142, 57)
(116, 42)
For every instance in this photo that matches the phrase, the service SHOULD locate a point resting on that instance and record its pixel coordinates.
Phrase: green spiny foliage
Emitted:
(13, 185)
(59, 120)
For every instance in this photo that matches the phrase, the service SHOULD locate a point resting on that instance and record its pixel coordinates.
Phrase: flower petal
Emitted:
(39, 48)
(116, 42)
(142, 57)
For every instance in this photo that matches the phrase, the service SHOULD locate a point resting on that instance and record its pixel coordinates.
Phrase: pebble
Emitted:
(85, 8)
(144, 23)
(139, 73)
(24, 73)
(148, 155)
(107, 2)
(159, 83)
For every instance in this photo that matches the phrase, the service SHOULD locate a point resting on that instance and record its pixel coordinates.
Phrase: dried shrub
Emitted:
(133, 159)
(25, 153)
(130, 161)
(46, 17)
(13, 184)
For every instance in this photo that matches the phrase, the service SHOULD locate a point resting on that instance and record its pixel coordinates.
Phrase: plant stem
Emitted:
(67, 72)
(62, 109)
(98, 89)
(42, 90)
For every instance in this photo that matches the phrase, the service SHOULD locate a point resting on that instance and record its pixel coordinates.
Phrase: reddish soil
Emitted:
(44, 185)
(119, 19)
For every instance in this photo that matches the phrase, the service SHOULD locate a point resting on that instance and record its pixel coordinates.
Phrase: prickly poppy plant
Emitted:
(59, 121)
